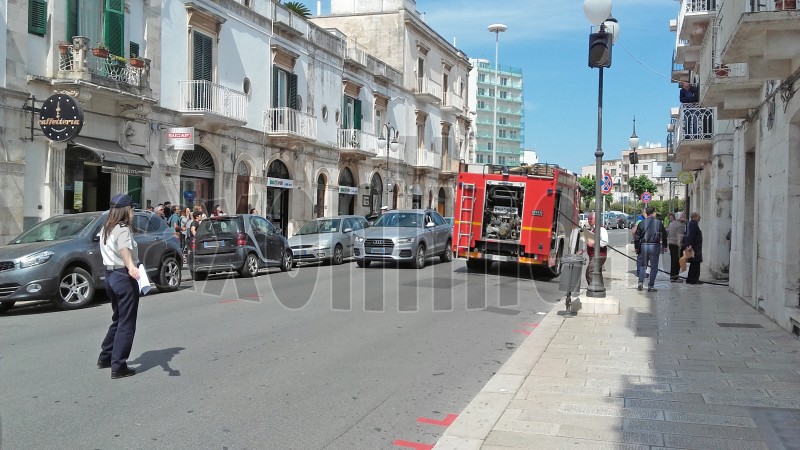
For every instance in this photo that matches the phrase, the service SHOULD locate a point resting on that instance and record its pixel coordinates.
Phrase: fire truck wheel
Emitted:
(447, 255)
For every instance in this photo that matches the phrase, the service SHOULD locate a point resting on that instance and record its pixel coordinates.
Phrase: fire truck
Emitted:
(524, 215)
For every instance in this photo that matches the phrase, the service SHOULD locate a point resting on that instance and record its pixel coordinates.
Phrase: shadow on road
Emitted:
(155, 358)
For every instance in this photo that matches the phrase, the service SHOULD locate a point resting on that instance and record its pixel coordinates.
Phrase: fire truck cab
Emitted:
(521, 215)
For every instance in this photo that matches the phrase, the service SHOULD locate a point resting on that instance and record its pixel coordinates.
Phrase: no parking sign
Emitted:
(605, 185)
(646, 197)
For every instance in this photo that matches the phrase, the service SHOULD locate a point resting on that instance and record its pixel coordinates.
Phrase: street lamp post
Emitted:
(599, 13)
(390, 140)
(496, 28)
(633, 144)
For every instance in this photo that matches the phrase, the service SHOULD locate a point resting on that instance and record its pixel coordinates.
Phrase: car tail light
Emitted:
(240, 240)
(192, 245)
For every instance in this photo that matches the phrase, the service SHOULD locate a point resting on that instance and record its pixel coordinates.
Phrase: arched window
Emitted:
(321, 186)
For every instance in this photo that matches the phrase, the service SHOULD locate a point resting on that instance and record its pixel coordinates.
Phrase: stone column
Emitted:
(55, 178)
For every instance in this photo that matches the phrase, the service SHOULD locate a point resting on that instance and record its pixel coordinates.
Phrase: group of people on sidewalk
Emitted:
(651, 238)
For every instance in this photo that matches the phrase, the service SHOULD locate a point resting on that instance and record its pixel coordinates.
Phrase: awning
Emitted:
(111, 152)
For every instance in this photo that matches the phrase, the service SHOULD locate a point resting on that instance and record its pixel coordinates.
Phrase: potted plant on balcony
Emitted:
(101, 51)
(721, 70)
(781, 5)
(137, 62)
(63, 47)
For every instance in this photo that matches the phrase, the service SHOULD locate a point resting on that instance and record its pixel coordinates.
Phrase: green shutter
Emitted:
(72, 20)
(114, 20)
(202, 67)
(37, 17)
(357, 115)
(275, 87)
(292, 91)
(134, 50)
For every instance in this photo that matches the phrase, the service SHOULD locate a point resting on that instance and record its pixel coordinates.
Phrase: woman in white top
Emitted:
(121, 258)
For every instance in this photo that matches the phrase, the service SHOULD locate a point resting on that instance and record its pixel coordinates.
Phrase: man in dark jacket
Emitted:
(652, 240)
(694, 242)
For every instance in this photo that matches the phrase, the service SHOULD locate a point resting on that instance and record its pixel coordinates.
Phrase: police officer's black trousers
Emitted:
(123, 291)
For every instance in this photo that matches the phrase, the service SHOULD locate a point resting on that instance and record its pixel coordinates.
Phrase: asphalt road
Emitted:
(318, 358)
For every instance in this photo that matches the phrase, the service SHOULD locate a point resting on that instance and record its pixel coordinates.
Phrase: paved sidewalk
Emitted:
(687, 367)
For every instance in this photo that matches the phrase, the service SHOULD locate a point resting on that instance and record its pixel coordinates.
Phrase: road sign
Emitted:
(605, 185)
(646, 197)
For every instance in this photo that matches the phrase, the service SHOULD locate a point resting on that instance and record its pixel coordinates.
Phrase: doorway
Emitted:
(197, 178)
(278, 196)
(243, 188)
(347, 202)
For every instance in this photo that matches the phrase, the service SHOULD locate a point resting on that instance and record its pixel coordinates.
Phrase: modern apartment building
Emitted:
(286, 113)
(741, 143)
(505, 86)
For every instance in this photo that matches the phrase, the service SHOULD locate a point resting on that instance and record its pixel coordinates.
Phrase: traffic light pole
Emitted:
(596, 288)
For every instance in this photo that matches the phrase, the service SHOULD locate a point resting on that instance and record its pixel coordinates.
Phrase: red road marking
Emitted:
(253, 296)
(446, 422)
(534, 325)
(525, 332)
(230, 301)
(414, 445)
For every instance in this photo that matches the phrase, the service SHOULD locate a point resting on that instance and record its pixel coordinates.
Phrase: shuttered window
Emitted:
(134, 50)
(72, 20)
(114, 26)
(203, 52)
(284, 89)
(37, 17)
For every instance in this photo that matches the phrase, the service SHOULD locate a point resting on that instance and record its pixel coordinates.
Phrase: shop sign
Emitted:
(189, 195)
(279, 183)
(61, 117)
(663, 169)
(348, 190)
(180, 138)
(121, 169)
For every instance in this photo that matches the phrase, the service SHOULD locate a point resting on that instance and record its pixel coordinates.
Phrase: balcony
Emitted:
(78, 65)
(387, 73)
(761, 34)
(326, 40)
(693, 19)
(695, 135)
(356, 53)
(428, 161)
(357, 143)
(427, 90)
(289, 127)
(680, 71)
(289, 22)
(452, 102)
(449, 166)
(727, 87)
(207, 104)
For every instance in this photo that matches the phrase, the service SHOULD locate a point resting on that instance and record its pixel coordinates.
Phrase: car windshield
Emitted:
(55, 229)
(319, 226)
(400, 219)
(226, 225)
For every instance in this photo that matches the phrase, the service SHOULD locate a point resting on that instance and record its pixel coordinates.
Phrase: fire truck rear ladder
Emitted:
(466, 207)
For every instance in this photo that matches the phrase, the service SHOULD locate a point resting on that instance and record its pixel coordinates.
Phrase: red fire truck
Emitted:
(523, 215)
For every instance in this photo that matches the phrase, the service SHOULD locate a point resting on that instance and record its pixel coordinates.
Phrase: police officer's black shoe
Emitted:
(103, 364)
(122, 373)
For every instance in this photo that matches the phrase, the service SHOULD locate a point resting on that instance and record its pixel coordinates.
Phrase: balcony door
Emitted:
(202, 71)
(284, 95)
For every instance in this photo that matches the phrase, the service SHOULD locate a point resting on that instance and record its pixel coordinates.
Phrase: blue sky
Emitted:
(548, 40)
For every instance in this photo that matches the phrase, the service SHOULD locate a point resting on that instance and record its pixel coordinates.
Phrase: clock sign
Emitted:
(61, 117)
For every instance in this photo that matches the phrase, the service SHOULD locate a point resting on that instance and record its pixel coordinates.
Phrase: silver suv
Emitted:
(410, 235)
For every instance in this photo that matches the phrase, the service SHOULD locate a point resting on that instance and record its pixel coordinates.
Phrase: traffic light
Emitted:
(634, 158)
(600, 49)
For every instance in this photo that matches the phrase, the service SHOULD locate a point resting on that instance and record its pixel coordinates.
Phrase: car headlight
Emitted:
(405, 240)
(36, 259)
(359, 239)
(323, 244)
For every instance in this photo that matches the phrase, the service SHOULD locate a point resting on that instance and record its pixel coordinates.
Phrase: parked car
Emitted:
(450, 221)
(622, 219)
(59, 259)
(609, 220)
(583, 220)
(629, 218)
(411, 235)
(245, 243)
(326, 239)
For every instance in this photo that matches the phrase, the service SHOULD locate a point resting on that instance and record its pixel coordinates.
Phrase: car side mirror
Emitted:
(430, 224)
(96, 237)
(348, 230)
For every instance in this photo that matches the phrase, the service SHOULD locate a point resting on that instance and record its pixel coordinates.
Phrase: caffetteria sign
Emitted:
(61, 117)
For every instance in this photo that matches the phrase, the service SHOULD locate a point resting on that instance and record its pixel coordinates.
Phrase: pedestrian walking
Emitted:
(639, 256)
(652, 240)
(675, 235)
(593, 253)
(121, 258)
(694, 242)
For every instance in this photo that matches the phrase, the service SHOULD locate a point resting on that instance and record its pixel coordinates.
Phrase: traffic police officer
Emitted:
(121, 258)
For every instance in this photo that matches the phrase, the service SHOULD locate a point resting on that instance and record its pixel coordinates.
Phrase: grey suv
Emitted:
(244, 242)
(411, 235)
(59, 259)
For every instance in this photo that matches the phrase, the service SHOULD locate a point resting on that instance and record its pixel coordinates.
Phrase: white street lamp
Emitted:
(496, 28)
(384, 141)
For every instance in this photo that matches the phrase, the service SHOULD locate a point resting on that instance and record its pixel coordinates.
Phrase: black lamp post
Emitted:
(633, 144)
(599, 13)
(386, 141)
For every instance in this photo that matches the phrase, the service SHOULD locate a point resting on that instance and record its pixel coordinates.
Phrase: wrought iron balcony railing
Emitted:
(76, 60)
(695, 122)
(201, 96)
(290, 122)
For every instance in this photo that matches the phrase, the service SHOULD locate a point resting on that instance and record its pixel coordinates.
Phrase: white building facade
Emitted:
(741, 144)
(286, 113)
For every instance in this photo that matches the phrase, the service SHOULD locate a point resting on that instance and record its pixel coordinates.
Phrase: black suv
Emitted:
(244, 242)
(59, 259)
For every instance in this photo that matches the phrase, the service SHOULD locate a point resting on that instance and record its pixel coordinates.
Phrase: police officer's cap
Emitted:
(121, 201)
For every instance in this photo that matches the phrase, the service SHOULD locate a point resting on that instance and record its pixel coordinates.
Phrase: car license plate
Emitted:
(212, 244)
(301, 252)
(499, 258)
(377, 251)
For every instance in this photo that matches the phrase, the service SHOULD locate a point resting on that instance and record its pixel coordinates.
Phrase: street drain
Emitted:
(739, 325)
